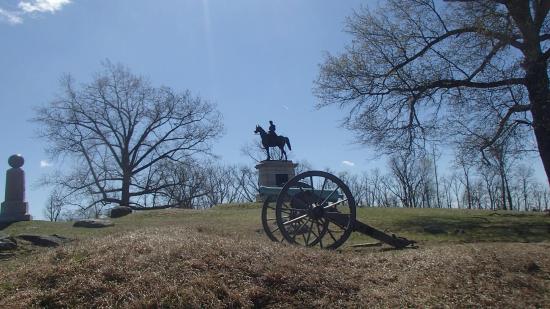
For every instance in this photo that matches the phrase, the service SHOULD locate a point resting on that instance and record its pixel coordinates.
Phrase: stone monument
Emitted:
(14, 208)
(275, 173)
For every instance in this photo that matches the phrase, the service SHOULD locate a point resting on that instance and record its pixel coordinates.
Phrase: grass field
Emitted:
(221, 258)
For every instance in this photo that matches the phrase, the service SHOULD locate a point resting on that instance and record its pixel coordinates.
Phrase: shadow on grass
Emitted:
(522, 229)
(4, 225)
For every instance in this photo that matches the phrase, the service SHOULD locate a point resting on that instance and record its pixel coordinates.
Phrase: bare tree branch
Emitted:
(122, 129)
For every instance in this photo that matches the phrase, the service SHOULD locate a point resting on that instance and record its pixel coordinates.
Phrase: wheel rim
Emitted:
(306, 216)
(269, 221)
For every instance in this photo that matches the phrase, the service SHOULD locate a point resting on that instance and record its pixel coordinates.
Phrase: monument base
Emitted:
(275, 173)
(26, 217)
(14, 211)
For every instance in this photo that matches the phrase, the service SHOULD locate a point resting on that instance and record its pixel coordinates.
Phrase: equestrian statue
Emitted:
(271, 139)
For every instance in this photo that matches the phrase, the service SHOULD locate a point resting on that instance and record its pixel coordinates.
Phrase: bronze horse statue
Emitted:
(269, 140)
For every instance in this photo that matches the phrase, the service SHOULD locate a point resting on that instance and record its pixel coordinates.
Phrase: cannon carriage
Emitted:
(316, 209)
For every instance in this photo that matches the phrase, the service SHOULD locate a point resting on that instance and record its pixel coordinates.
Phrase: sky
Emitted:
(256, 60)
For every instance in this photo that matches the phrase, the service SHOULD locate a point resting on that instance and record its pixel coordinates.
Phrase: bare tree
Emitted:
(118, 129)
(414, 62)
(456, 186)
(427, 187)
(435, 157)
(466, 167)
(373, 188)
(54, 205)
(478, 194)
(489, 175)
(355, 185)
(501, 159)
(539, 197)
(254, 151)
(303, 166)
(410, 174)
(392, 196)
(447, 184)
(249, 188)
(522, 178)
(183, 184)
(223, 184)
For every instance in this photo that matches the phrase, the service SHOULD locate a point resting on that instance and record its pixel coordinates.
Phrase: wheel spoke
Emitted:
(320, 238)
(323, 188)
(298, 230)
(269, 218)
(330, 195)
(313, 231)
(295, 219)
(329, 223)
(338, 225)
(335, 203)
(309, 232)
(304, 237)
(330, 233)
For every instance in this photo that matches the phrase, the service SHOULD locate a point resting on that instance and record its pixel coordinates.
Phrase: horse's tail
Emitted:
(287, 141)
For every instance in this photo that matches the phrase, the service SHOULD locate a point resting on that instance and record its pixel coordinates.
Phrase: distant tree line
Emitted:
(416, 182)
(408, 181)
(197, 185)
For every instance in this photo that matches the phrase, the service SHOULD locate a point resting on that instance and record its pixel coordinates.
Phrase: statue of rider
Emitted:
(271, 132)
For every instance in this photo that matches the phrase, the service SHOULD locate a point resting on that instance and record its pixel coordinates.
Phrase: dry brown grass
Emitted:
(182, 267)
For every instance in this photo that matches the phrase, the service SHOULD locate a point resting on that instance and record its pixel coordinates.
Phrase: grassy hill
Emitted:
(220, 258)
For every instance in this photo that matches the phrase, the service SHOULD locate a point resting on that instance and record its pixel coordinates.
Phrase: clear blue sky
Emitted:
(256, 59)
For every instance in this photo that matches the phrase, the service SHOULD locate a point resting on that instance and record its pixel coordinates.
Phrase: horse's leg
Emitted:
(268, 155)
(283, 152)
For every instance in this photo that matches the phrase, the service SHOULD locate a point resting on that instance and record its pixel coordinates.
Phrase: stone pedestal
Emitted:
(15, 211)
(14, 208)
(275, 173)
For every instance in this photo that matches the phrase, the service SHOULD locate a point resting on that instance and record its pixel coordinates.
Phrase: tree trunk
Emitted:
(537, 85)
(436, 180)
(126, 175)
(541, 121)
(468, 192)
(524, 191)
(125, 195)
(508, 193)
(503, 192)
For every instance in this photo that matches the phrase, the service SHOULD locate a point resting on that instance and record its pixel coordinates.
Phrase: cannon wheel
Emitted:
(269, 222)
(305, 216)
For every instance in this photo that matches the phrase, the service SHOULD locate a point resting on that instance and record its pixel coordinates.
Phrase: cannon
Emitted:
(316, 209)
